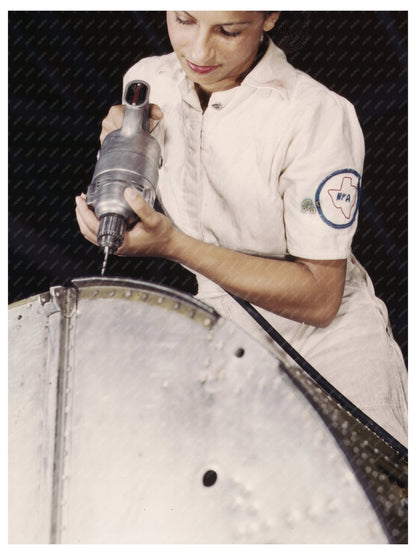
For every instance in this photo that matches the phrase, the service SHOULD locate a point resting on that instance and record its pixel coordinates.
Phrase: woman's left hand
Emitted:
(149, 237)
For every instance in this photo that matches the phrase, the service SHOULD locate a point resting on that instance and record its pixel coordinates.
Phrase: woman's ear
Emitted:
(270, 20)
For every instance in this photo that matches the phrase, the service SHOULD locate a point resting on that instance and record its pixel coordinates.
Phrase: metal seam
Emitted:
(66, 299)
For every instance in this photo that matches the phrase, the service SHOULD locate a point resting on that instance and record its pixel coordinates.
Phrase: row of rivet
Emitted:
(207, 322)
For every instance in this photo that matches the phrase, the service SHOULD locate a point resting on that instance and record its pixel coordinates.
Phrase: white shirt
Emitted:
(246, 173)
(273, 167)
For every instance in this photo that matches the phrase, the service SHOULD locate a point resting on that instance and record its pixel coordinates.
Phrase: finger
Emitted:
(113, 121)
(88, 217)
(147, 215)
(84, 229)
(155, 112)
(86, 232)
(87, 221)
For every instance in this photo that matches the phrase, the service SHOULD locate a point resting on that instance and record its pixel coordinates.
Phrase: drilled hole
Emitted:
(239, 352)
(209, 478)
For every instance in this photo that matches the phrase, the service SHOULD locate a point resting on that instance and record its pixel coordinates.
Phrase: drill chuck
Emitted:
(129, 157)
(111, 232)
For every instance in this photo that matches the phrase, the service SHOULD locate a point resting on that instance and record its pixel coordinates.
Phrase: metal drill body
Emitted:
(129, 157)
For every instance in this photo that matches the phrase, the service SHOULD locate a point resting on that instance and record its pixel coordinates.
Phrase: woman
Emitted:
(260, 188)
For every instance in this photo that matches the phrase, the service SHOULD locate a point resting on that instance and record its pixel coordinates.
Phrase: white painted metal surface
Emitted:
(156, 395)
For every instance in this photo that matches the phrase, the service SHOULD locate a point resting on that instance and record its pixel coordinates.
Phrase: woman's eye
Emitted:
(228, 33)
(183, 21)
(221, 29)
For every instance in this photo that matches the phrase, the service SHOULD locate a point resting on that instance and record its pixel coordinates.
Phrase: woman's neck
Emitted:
(205, 95)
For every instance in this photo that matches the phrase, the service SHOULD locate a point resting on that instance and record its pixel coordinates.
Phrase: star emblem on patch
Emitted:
(345, 197)
(337, 198)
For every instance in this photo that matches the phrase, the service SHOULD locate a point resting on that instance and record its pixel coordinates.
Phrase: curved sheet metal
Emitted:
(137, 415)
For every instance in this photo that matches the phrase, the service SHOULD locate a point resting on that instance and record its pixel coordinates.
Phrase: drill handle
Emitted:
(137, 108)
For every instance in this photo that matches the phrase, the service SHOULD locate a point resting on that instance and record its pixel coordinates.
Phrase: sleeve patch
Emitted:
(338, 197)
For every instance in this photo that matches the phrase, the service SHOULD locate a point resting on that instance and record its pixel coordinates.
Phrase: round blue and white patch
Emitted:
(338, 197)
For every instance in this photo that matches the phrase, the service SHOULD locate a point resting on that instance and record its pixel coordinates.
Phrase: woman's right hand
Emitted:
(114, 119)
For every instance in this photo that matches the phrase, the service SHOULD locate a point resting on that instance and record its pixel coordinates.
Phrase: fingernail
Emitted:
(130, 193)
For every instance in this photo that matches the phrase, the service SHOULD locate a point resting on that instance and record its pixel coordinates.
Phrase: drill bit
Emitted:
(106, 253)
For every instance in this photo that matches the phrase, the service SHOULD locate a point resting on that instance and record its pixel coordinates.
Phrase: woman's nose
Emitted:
(202, 48)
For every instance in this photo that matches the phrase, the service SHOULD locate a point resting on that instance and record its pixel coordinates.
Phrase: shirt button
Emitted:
(217, 106)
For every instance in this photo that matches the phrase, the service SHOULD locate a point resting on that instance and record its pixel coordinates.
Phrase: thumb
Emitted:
(155, 112)
(139, 206)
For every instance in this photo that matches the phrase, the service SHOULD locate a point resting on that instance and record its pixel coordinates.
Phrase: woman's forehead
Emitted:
(224, 17)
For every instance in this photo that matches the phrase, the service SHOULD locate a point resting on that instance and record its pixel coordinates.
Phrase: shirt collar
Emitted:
(186, 87)
(273, 71)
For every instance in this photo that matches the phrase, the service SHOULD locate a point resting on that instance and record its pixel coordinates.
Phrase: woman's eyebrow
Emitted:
(220, 24)
(236, 23)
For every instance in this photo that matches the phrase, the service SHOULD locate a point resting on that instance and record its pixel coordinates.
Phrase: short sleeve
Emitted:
(321, 180)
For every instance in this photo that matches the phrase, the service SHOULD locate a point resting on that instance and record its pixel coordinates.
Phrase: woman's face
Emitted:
(216, 48)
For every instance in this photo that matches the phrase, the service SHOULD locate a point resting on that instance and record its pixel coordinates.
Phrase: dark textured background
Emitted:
(66, 70)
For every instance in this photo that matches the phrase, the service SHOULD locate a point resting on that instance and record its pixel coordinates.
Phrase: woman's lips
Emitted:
(201, 69)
